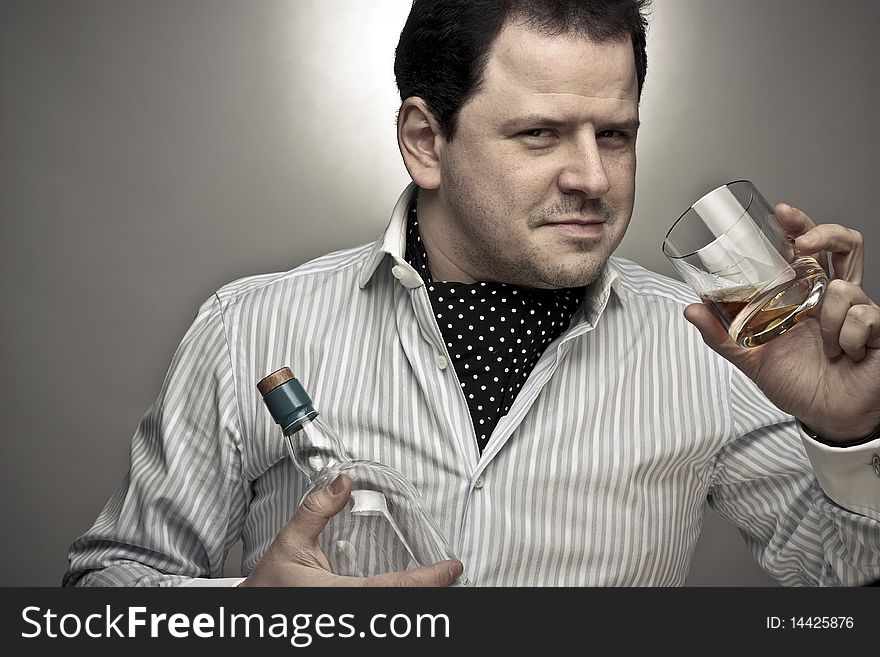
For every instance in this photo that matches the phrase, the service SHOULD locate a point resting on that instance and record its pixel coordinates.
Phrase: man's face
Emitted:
(537, 185)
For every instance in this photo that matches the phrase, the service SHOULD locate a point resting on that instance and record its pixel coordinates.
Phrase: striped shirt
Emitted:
(597, 475)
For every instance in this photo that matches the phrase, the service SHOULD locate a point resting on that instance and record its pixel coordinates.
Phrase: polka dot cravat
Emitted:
(494, 332)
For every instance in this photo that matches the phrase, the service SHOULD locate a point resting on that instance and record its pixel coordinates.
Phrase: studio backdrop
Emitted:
(153, 150)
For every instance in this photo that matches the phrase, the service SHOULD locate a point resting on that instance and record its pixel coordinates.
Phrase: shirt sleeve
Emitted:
(850, 476)
(181, 505)
(764, 483)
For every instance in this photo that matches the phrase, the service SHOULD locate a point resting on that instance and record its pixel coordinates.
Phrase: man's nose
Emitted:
(583, 171)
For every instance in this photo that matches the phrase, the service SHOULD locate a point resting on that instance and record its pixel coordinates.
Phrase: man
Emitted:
(562, 421)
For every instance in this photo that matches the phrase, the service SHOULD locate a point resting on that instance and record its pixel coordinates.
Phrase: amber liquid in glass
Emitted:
(756, 315)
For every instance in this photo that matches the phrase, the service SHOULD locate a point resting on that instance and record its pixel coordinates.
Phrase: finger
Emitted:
(847, 248)
(439, 574)
(793, 221)
(860, 330)
(839, 297)
(714, 334)
(796, 223)
(312, 515)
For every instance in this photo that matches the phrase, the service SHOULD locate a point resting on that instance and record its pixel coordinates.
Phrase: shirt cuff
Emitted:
(849, 476)
(228, 582)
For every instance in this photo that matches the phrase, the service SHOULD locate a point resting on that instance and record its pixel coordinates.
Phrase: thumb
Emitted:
(714, 334)
(316, 510)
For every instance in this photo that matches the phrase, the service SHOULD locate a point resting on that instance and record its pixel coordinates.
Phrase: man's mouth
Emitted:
(578, 221)
(580, 227)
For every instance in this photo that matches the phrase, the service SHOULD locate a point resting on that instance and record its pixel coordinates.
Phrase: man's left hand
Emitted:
(826, 370)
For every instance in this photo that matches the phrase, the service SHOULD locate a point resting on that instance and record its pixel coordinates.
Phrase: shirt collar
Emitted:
(392, 243)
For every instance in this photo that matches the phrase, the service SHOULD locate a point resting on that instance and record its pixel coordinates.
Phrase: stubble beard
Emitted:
(490, 260)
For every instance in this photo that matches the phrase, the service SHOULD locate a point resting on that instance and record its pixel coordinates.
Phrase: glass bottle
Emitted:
(384, 527)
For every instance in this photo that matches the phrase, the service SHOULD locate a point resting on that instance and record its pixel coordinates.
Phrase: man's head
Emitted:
(445, 44)
(519, 124)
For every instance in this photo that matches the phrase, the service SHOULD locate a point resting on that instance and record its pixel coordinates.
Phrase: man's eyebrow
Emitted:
(534, 120)
(628, 125)
(542, 120)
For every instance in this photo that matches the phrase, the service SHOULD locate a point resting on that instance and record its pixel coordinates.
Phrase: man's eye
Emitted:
(611, 134)
(538, 133)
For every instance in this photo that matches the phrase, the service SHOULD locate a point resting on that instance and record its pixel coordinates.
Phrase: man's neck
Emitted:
(431, 230)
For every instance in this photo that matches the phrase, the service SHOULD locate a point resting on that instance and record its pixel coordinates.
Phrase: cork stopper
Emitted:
(274, 380)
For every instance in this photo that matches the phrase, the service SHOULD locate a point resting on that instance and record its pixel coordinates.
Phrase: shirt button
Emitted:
(408, 278)
(441, 361)
(480, 482)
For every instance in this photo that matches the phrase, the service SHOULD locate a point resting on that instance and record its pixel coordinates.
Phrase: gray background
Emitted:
(152, 150)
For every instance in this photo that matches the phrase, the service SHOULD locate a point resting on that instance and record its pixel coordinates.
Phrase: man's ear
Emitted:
(420, 142)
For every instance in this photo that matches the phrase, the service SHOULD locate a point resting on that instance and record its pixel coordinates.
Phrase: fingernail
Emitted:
(337, 485)
(456, 568)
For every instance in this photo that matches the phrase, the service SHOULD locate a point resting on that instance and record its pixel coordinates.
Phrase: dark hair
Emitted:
(445, 44)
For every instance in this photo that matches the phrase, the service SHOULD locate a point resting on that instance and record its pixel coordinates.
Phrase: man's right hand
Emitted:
(294, 558)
